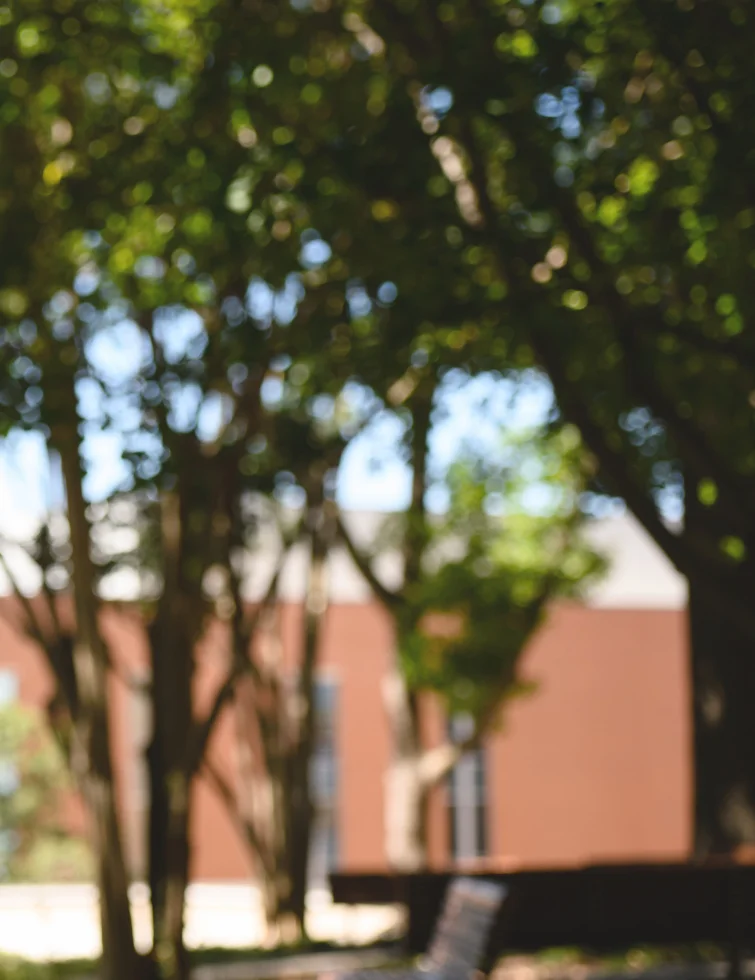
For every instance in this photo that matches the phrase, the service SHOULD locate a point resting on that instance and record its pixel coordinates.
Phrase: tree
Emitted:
(275, 730)
(124, 230)
(475, 589)
(60, 121)
(103, 85)
(274, 700)
(302, 201)
(593, 153)
(653, 230)
(402, 323)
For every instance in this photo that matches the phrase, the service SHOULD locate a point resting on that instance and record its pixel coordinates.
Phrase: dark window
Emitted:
(323, 849)
(467, 809)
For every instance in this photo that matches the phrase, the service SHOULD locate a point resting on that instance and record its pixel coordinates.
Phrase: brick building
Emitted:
(593, 767)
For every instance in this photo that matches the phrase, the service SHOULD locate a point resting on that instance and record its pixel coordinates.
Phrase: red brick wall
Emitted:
(595, 766)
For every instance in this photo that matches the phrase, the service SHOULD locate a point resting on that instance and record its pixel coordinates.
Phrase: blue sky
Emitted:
(471, 413)
(372, 475)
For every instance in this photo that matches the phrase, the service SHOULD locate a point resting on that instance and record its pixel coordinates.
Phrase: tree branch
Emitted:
(240, 662)
(222, 788)
(416, 531)
(701, 567)
(722, 346)
(391, 600)
(32, 624)
(694, 564)
(693, 442)
(436, 763)
(56, 650)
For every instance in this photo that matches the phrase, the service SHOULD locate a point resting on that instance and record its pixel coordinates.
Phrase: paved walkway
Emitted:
(509, 968)
(56, 922)
(304, 965)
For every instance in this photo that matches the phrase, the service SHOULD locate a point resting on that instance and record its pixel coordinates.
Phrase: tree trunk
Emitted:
(405, 846)
(300, 808)
(723, 673)
(278, 836)
(405, 795)
(172, 638)
(723, 690)
(90, 749)
(177, 879)
(119, 958)
(168, 858)
(413, 773)
(267, 817)
(168, 868)
(404, 792)
(300, 830)
(282, 896)
(262, 799)
(275, 725)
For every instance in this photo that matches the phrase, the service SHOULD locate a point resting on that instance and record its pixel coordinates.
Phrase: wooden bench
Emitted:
(460, 940)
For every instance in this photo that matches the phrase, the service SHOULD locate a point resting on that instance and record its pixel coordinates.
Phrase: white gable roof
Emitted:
(639, 575)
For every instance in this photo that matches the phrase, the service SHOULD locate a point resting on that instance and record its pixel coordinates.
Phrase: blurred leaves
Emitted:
(227, 218)
(509, 544)
(35, 844)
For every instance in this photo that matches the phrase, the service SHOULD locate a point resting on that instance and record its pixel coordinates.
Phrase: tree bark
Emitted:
(723, 693)
(266, 806)
(90, 745)
(404, 795)
(300, 804)
(119, 957)
(168, 864)
(275, 724)
(172, 639)
(262, 733)
(412, 774)
(723, 673)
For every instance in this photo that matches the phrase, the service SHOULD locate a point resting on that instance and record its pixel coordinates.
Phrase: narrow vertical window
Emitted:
(323, 854)
(467, 791)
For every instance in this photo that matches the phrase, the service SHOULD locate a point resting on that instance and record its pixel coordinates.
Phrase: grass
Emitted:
(15, 968)
(631, 960)
(634, 959)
